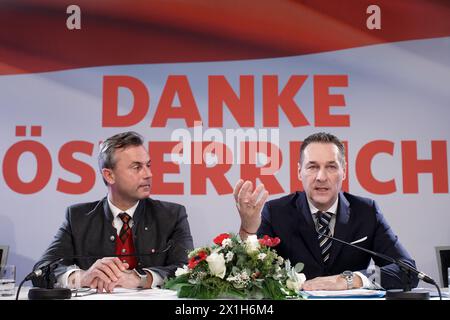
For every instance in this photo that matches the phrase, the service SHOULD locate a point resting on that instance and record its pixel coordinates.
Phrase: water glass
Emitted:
(7, 280)
(448, 282)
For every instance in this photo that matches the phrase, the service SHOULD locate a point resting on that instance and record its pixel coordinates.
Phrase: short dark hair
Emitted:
(323, 137)
(119, 141)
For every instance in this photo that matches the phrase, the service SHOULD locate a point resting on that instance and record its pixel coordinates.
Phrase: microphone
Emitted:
(45, 270)
(40, 270)
(406, 293)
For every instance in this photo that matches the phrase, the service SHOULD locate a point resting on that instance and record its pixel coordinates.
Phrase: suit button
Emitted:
(146, 228)
(124, 250)
(112, 238)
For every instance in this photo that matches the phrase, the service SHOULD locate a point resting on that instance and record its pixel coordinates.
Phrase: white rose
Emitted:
(295, 283)
(227, 243)
(252, 244)
(229, 256)
(216, 264)
(181, 271)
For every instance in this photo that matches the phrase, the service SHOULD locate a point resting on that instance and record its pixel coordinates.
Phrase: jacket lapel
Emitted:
(144, 235)
(107, 211)
(341, 228)
(307, 228)
(142, 216)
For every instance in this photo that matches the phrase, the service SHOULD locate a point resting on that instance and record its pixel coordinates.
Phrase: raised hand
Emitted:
(249, 203)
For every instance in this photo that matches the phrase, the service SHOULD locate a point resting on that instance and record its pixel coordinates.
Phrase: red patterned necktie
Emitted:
(126, 230)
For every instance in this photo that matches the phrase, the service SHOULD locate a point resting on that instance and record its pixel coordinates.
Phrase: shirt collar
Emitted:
(331, 209)
(115, 211)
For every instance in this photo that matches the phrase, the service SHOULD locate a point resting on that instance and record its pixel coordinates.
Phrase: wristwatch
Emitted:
(348, 276)
(142, 276)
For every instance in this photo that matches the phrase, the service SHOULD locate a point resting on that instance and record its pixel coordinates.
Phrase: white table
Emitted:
(118, 294)
(138, 294)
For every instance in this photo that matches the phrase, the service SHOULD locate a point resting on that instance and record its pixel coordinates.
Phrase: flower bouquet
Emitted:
(232, 268)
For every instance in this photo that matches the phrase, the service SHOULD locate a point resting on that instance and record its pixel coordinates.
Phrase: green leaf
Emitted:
(175, 282)
(299, 267)
(267, 278)
(271, 290)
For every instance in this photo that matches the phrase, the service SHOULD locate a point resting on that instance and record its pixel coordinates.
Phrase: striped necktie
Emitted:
(323, 221)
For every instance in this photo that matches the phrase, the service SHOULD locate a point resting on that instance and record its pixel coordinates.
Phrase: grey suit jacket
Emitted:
(88, 231)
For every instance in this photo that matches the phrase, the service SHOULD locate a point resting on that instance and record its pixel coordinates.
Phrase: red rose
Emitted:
(218, 240)
(269, 242)
(194, 261)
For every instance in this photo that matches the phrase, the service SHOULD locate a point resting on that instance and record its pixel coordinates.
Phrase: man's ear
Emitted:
(299, 168)
(108, 175)
(344, 174)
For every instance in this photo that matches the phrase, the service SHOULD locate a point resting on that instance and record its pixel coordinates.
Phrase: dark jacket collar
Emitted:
(308, 229)
(342, 229)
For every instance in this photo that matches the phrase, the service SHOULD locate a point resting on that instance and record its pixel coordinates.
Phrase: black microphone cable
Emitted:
(46, 267)
(401, 264)
(20, 286)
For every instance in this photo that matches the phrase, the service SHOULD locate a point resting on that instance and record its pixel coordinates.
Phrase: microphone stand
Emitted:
(46, 272)
(49, 292)
(397, 294)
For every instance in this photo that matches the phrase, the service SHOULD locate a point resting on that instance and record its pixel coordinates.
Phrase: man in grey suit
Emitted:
(151, 237)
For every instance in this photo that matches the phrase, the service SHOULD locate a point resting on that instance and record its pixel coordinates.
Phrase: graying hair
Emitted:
(119, 141)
